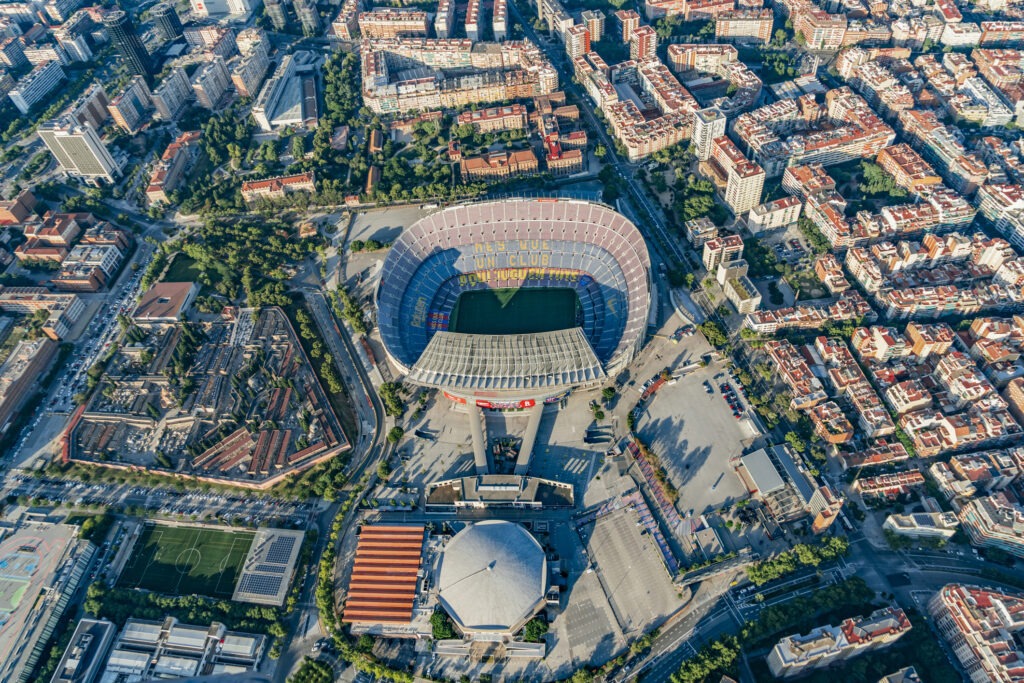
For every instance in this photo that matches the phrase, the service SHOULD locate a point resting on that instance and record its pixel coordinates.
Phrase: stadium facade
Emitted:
(508, 246)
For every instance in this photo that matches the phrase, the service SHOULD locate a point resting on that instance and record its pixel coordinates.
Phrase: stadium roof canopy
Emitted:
(546, 360)
(493, 577)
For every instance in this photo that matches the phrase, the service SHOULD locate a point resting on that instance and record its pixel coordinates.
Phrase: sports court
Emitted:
(523, 310)
(185, 560)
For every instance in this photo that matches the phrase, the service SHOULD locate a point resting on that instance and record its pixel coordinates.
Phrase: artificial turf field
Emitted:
(186, 560)
(526, 310)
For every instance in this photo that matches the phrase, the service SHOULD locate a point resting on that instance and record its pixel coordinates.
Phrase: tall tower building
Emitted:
(593, 19)
(629, 21)
(577, 41)
(708, 124)
(308, 16)
(79, 150)
(168, 21)
(275, 10)
(643, 44)
(122, 32)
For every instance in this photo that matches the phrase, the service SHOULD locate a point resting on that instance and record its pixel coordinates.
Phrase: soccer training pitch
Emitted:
(186, 560)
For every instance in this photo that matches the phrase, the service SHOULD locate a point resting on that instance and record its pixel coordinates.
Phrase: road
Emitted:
(168, 502)
(369, 448)
(625, 170)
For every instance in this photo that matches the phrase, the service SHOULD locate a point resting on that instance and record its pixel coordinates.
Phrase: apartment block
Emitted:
(721, 250)
(643, 44)
(79, 150)
(983, 627)
(393, 23)
(210, 82)
(593, 20)
(130, 109)
(744, 26)
(37, 85)
(794, 371)
(826, 645)
(20, 375)
(995, 521)
(173, 93)
(499, 20)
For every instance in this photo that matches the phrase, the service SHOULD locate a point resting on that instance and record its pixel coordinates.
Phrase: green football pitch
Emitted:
(186, 560)
(525, 310)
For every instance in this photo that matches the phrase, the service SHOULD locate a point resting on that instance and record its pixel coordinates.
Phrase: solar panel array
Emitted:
(260, 584)
(280, 550)
(382, 588)
(588, 238)
(268, 567)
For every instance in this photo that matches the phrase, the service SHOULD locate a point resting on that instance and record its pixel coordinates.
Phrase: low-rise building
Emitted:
(923, 525)
(499, 165)
(699, 231)
(165, 303)
(278, 187)
(154, 650)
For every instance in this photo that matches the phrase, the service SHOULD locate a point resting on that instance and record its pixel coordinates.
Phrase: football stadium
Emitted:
(507, 304)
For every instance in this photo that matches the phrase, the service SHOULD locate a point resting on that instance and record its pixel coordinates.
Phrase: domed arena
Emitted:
(493, 578)
(514, 301)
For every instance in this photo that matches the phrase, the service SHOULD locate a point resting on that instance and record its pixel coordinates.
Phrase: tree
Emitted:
(714, 333)
(395, 435)
(608, 393)
(441, 626)
(600, 151)
(383, 469)
(534, 630)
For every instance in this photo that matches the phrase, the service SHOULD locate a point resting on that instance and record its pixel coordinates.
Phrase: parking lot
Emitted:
(690, 425)
(632, 572)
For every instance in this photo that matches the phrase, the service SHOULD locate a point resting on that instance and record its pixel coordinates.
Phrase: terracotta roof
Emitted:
(383, 583)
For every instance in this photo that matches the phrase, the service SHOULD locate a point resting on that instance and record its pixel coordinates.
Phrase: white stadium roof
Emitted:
(548, 360)
(493, 577)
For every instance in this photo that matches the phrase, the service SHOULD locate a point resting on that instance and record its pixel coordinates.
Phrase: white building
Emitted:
(708, 124)
(937, 525)
(34, 87)
(210, 83)
(79, 150)
(173, 93)
(206, 8)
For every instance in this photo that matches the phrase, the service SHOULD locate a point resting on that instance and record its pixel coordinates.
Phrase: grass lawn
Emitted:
(523, 310)
(183, 269)
(186, 560)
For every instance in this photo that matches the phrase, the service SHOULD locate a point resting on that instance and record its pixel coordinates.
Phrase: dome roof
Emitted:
(493, 577)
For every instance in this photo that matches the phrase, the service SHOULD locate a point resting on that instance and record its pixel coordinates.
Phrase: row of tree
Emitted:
(802, 555)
